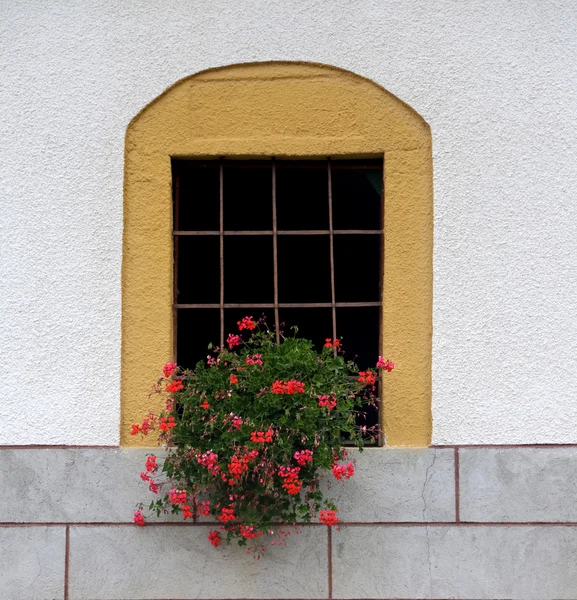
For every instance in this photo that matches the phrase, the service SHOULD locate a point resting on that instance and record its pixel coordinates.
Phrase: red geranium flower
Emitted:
(328, 517)
(214, 538)
(246, 323)
(174, 386)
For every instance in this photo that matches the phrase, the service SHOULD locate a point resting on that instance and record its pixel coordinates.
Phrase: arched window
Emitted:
(287, 111)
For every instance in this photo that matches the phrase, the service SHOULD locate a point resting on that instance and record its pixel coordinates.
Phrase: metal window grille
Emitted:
(216, 221)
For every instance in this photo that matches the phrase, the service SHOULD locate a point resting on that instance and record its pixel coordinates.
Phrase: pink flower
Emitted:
(303, 457)
(328, 401)
(169, 369)
(255, 359)
(209, 460)
(151, 463)
(138, 518)
(204, 508)
(232, 340)
(385, 364)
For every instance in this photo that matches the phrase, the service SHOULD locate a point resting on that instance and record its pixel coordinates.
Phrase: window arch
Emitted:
(286, 110)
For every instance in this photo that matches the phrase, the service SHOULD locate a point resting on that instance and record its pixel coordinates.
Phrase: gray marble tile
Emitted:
(474, 562)
(397, 485)
(32, 563)
(518, 484)
(72, 485)
(179, 562)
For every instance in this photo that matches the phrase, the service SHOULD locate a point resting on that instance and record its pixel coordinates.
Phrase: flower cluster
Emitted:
(367, 377)
(290, 476)
(288, 387)
(166, 423)
(238, 466)
(168, 369)
(174, 386)
(329, 343)
(151, 468)
(329, 402)
(209, 460)
(226, 515)
(250, 432)
(344, 471)
(303, 457)
(246, 323)
(262, 437)
(214, 538)
(328, 517)
(233, 341)
(177, 496)
(387, 365)
(255, 359)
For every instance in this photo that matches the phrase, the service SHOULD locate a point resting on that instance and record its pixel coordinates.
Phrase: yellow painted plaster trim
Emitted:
(284, 110)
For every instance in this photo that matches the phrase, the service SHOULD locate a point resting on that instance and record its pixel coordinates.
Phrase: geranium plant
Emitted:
(250, 431)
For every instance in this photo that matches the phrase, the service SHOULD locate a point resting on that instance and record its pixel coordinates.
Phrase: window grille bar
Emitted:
(285, 232)
(332, 251)
(283, 305)
(221, 200)
(275, 253)
(282, 164)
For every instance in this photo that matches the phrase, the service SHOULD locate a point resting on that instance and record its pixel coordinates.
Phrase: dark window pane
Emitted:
(359, 330)
(248, 269)
(247, 197)
(304, 268)
(357, 268)
(195, 329)
(198, 269)
(315, 324)
(357, 198)
(199, 197)
(302, 197)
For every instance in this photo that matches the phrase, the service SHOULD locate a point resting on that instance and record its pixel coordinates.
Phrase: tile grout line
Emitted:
(66, 562)
(65, 447)
(431, 447)
(313, 525)
(501, 446)
(457, 488)
(330, 560)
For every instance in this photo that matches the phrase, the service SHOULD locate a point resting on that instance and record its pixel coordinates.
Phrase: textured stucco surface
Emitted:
(497, 83)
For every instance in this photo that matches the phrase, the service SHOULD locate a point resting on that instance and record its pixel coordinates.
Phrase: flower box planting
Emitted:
(250, 432)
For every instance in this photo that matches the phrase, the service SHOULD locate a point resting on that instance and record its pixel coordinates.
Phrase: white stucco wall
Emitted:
(497, 82)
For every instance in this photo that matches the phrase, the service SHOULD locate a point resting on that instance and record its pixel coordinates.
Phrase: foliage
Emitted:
(251, 430)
